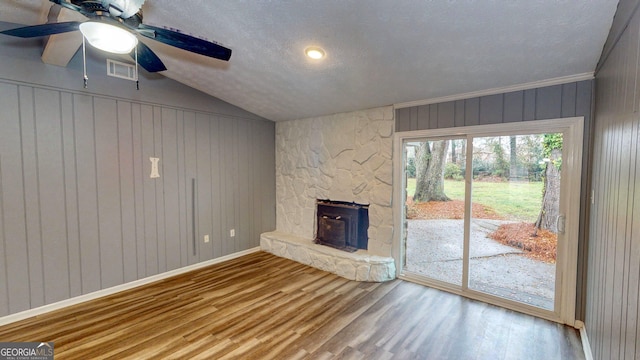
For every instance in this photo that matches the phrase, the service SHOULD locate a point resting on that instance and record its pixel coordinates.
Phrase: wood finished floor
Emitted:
(263, 307)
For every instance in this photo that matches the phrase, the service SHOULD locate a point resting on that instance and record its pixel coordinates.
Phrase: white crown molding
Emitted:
(501, 90)
(118, 288)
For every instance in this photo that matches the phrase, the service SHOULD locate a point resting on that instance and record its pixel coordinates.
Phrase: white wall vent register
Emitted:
(121, 70)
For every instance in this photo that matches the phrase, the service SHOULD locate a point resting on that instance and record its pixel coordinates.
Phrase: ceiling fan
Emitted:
(113, 26)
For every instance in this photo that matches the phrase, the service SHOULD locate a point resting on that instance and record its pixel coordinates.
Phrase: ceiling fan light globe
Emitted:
(109, 38)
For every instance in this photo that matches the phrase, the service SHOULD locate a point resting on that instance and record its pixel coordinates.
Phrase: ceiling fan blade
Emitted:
(67, 5)
(43, 30)
(148, 59)
(185, 42)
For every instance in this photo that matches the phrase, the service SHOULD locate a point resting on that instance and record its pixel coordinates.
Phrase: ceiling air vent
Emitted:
(121, 70)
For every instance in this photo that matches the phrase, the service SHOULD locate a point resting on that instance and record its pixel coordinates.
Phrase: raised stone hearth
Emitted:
(359, 266)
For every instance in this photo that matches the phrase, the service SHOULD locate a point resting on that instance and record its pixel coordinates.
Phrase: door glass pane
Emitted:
(515, 208)
(435, 209)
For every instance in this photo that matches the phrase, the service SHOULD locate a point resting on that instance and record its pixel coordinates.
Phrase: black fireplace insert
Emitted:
(342, 225)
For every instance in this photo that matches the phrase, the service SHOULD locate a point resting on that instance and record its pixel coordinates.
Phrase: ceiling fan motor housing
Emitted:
(122, 8)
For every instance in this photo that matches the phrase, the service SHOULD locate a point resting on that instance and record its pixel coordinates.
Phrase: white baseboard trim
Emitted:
(586, 347)
(118, 288)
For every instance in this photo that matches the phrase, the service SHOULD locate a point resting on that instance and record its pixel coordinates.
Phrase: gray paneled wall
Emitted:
(79, 212)
(613, 300)
(550, 102)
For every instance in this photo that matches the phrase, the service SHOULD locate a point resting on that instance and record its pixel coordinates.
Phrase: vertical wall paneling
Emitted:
(190, 171)
(214, 150)
(569, 100)
(170, 192)
(87, 193)
(268, 189)
(138, 162)
(32, 201)
(253, 197)
(491, 109)
(71, 194)
(244, 166)
(182, 191)
(15, 260)
(405, 123)
(158, 141)
(459, 113)
(53, 230)
(149, 186)
(609, 271)
(127, 190)
(79, 211)
(224, 159)
(613, 279)
(109, 207)
(631, 306)
(622, 222)
(433, 116)
(630, 64)
(446, 114)
(549, 102)
(233, 196)
(418, 116)
(513, 107)
(529, 105)
(472, 112)
(612, 151)
(203, 181)
(256, 151)
(583, 103)
(259, 139)
(226, 201)
(633, 227)
(235, 185)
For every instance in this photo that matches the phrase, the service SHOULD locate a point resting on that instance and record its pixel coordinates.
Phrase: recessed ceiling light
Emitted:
(314, 52)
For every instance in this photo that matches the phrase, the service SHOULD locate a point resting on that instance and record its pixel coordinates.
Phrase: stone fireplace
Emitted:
(346, 158)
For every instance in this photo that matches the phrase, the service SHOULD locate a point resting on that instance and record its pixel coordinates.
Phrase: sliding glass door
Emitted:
(435, 208)
(485, 213)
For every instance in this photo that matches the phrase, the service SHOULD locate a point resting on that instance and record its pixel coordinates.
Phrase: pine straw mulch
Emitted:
(541, 247)
(453, 209)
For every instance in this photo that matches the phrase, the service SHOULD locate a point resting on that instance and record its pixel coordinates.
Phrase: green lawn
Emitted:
(513, 200)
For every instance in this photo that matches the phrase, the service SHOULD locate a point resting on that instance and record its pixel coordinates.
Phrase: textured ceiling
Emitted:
(378, 52)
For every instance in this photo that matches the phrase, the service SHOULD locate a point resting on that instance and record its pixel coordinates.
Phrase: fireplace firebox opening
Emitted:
(342, 225)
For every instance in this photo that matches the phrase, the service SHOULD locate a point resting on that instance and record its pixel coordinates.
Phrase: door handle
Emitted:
(561, 223)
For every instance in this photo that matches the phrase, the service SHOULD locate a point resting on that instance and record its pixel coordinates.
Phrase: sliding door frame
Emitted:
(567, 251)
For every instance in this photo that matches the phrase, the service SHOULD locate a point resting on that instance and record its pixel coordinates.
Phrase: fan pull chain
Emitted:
(84, 63)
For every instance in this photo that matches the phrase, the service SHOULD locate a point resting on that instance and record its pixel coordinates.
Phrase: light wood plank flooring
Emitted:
(263, 307)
